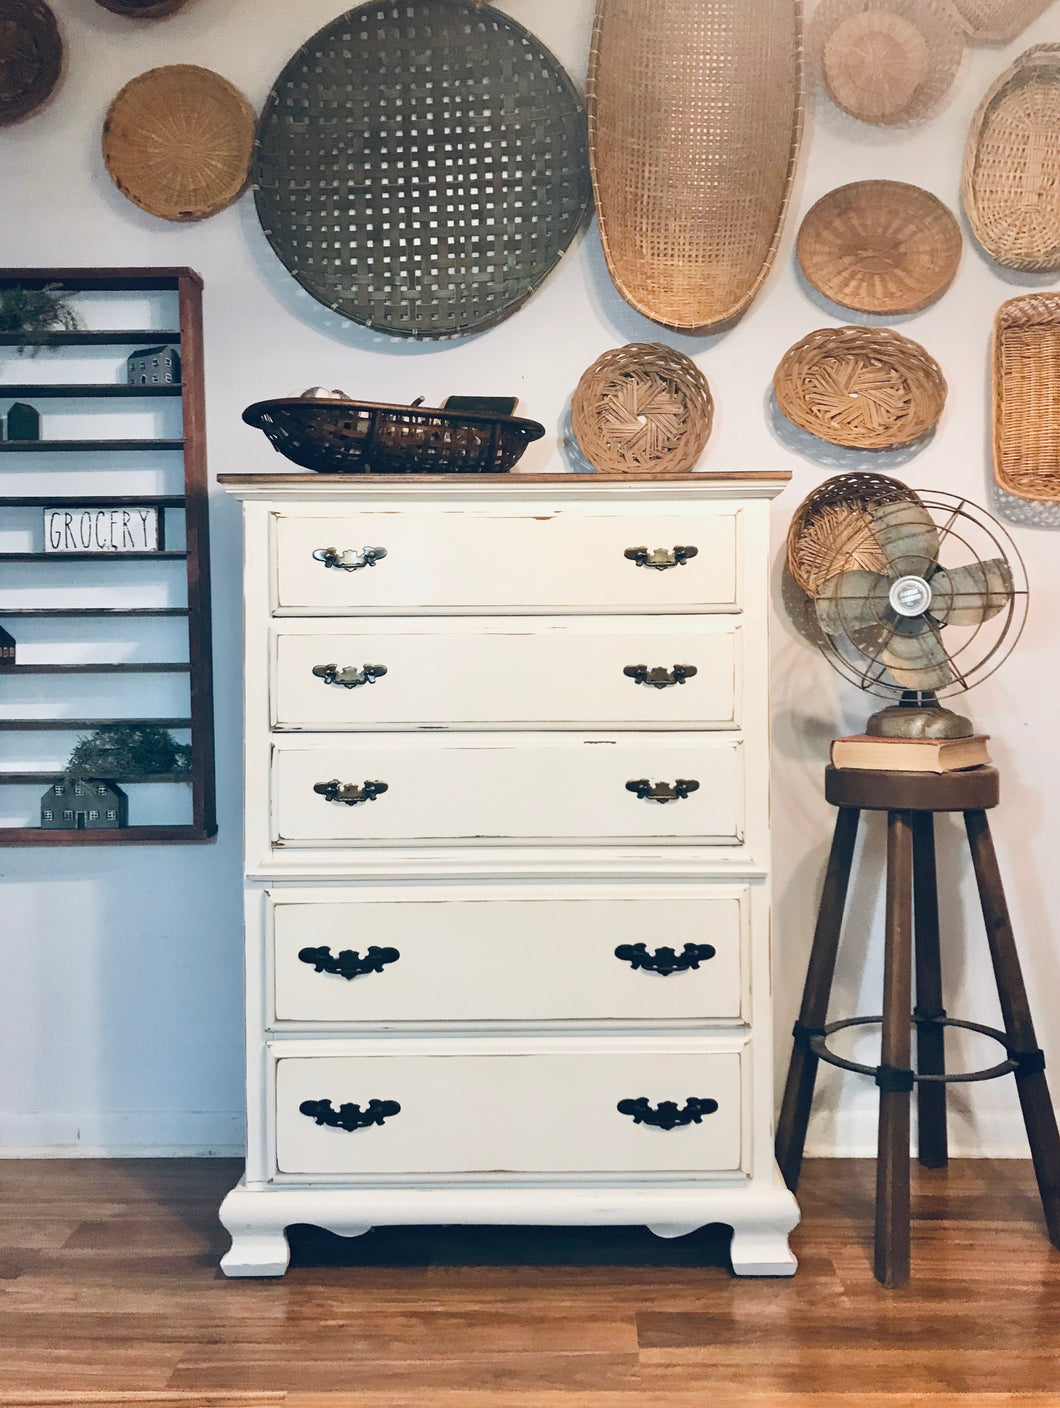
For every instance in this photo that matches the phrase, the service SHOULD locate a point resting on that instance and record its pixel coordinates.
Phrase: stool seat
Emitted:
(871, 790)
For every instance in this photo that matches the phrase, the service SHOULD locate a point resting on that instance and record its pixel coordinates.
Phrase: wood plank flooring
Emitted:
(110, 1295)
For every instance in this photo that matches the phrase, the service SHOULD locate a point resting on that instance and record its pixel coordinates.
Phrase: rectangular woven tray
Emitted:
(1026, 399)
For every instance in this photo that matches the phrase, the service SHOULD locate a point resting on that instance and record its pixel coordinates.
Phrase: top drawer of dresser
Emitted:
(498, 559)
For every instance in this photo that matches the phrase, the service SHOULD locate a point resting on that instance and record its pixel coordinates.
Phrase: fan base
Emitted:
(926, 721)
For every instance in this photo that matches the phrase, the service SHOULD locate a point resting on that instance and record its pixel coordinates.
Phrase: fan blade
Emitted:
(907, 536)
(917, 661)
(968, 596)
(852, 601)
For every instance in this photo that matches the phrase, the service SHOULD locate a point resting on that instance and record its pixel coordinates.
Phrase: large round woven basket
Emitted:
(886, 61)
(143, 9)
(1010, 184)
(832, 531)
(997, 21)
(880, 246)
(1026, 387)
(642, 408)
(177, 142)
(31, 57)
(865, 388)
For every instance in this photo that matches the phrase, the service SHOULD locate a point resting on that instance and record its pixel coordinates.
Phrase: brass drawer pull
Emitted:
(349, 1117)
(667, 1114)
(348, 963)
(662, 791)
(664, 961)
(349, 792)
(349, 559)
(658, 676)
(661, 558)
(349, 676)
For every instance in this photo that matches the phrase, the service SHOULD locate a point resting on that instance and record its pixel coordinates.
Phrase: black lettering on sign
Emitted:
(80, 529)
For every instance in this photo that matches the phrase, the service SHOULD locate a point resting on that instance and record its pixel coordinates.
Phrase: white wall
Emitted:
(121, 1032)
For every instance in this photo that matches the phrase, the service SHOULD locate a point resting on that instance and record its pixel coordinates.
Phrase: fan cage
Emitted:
(967, 535)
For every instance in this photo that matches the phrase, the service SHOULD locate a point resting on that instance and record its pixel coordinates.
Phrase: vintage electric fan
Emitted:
(912, 596)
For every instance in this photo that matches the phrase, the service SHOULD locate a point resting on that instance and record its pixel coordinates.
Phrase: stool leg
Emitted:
(930, 1037)
(802, 1073)
(894, 1075)
(1038, 1116)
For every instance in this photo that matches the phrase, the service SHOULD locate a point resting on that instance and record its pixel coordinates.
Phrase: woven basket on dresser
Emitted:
(642, 408)
(695, 115)
(832, 531)
(997, 21)
(1026, 396)
(31, 60)
(864, 388)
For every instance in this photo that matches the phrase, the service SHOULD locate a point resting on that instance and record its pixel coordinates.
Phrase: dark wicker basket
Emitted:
(364, 437)
(31, 57)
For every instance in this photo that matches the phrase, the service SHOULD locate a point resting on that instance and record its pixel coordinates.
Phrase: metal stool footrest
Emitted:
(1016, 1061)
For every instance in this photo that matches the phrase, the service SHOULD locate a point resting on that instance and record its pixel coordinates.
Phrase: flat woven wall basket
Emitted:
(695, 114)
(642, 408)
(421, 166)
(832, 531)
(31, 57)
(880, 246)
(886, 61)
(177, 142)
(997, 21)
(1010, 185)
(143, 9)
(865, 388)
(1026, 396)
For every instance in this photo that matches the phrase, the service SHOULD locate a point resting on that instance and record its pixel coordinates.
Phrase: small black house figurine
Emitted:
(7, 648)
(23, 422)
(84, 804)
(154, 366)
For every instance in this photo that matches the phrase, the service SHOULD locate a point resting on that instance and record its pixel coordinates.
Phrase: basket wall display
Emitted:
(886, 61)
(997, 21)
(1010, 184)
(31, 57)
(362, 437)
(422, 166)
(880, 246)
(644, 407)
(833, 532)
(177, 142)
(143, 9)
(865, 388)
(1026, 396)
(695, 115)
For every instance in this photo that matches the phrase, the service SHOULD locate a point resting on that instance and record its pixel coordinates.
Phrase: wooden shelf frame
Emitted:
(193, 503)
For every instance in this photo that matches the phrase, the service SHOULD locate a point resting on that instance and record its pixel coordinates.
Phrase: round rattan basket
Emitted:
(177, 142)
(832, 531)
(880, 247)
(31, 57)
(865, 388)
(143, 9)
(886, 61)
(1010, 185)
(642, 408)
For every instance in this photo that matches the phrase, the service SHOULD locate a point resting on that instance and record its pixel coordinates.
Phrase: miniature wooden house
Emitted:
(23, 422)
(154, 366)
(7, 648)
(84, 804)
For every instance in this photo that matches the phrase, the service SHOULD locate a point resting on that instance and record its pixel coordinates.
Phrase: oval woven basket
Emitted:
(1010, 184)
(686, 99)
(865, 388)
(31, 57)
(642, 408)
(143, 9)
(997, 21)
(177, 142)
(1026, 394)
(880, 246)
(832, 531)
(886, 61)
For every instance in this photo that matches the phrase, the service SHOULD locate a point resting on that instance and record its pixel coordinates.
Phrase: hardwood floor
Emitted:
(110, 1294)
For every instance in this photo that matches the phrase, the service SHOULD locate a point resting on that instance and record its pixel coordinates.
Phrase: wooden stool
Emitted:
(910, 801)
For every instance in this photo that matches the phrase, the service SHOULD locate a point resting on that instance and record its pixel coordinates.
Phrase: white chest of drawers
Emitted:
(507, 856)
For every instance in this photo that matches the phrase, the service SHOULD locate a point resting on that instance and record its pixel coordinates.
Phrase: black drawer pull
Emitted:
(349, 1117)
(667, 1114)
(350, 793)
(659, 677)
(349, 676)
(661, 558)
(662, 791)
(349, 559)
(664, 960)
(348, 964)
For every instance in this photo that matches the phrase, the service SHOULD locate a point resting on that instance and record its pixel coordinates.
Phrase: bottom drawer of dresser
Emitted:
(511, 1112)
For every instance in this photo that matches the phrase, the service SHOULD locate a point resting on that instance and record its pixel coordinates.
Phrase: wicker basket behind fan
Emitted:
(997, 21)
(31, 58)
(832, 531)
(644, 407)
(1026, 386)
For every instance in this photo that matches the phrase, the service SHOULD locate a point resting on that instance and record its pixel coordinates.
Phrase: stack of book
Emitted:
(863, 750)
